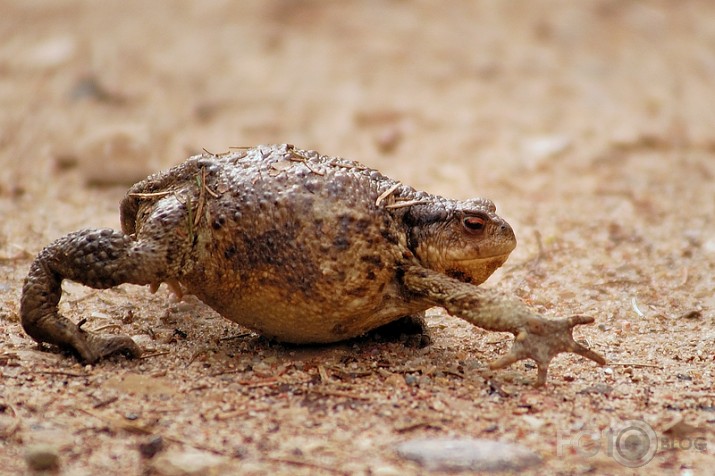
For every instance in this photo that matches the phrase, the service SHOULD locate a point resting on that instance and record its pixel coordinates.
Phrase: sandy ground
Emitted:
(590, 124)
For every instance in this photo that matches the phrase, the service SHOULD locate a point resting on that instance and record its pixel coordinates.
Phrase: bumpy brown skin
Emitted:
(300, 247)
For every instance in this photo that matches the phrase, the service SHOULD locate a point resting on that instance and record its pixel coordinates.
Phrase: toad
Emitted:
(299, 247)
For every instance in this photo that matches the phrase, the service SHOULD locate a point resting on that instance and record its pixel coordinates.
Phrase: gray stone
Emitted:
(444, 454)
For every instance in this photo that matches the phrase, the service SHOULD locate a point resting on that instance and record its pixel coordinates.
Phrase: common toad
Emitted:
(299, 247)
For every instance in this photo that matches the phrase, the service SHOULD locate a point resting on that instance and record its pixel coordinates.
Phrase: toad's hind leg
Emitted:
(97, 258)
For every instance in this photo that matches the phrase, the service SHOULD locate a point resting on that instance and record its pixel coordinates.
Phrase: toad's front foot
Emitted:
(542, 339)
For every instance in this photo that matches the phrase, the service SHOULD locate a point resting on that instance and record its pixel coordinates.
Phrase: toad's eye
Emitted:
(474, 223)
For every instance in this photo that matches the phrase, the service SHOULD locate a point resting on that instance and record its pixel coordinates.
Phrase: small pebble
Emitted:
(90, 87)
(188, 463)
(691, 315)
(51, 52)
(386, 471)
(149, 448)
(42, 457)
(599, 388)
(441, 454)
(388, 139)
(538, 150)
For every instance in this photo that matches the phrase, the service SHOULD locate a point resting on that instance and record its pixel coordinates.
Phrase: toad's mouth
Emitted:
(480, 259)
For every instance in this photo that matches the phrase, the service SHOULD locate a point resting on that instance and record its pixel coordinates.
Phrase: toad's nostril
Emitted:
(506, 231)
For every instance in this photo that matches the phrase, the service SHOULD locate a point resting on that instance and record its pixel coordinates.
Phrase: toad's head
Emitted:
(466, 240)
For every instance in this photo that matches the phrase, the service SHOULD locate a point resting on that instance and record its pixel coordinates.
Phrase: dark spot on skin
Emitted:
(372, 259)
(339, 329)
(362, 224)
(346, 221)
(389, 236)
(460, 275)
(370, 275)
(423, 216)
(413, 240)
(341, 243)
(358, 292)
(276, 256)
(218, 222)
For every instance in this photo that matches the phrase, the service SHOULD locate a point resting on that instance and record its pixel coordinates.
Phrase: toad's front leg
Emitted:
(96, 258)
(536, 338)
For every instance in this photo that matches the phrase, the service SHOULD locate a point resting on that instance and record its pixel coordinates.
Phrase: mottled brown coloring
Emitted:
(299, 247)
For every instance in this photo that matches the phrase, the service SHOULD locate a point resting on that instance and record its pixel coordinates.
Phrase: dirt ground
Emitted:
(590, 124)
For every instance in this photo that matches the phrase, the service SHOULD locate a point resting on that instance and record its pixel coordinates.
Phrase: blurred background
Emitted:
(426, 91)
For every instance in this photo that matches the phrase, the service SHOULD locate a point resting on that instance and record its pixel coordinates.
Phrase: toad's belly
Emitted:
(296, 319)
